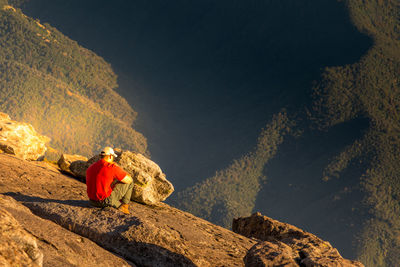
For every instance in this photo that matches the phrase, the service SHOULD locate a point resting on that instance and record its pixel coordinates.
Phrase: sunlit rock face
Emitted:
(282, 244)
(17, 246)
(21, 139)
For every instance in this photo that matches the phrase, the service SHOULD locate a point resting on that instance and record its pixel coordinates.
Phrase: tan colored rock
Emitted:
(60, 247)
(17, 246)
(305, 249)
(21, 139)
(65, 162)
(150, 236)
(150, 183)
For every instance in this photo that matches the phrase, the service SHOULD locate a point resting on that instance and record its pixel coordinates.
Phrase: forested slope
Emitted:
(366, 187)
(370, 88)
(64, 90)
(232, 192)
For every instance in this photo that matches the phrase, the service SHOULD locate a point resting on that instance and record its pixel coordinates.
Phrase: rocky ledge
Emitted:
(282, 244)
(153, 235)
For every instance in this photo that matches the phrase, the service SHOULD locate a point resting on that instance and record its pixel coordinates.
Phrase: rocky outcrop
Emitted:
(65, 162)
(150, 183)
(21, 139)
(152, 235)
(17, 246)
(286, 245)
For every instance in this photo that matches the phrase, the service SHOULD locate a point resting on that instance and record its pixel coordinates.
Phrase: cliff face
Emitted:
(64, 90)
(37, 201)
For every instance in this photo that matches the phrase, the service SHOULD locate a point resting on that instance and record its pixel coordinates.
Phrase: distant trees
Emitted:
(232, 192)
(370, 88)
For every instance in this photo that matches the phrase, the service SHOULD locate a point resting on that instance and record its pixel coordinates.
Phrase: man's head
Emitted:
(108, 154)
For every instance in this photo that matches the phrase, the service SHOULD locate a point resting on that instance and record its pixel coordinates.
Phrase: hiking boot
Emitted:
(124, 208)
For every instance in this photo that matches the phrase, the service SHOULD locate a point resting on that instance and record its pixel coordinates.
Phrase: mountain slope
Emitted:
(341, 182)
(232, 191)
(64, 90)
(370, 88)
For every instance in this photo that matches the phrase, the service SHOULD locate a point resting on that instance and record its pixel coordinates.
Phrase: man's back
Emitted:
(99, 177)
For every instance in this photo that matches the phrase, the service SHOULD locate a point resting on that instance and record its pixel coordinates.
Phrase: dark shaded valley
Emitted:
(205, 77)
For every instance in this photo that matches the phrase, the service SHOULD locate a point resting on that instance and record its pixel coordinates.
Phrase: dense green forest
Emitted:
(64, 90)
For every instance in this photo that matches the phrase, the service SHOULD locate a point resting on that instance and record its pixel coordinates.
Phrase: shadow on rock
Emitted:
(132, 238)
(24, 198)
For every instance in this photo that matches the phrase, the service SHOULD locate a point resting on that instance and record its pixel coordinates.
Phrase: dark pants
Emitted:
(121, 194)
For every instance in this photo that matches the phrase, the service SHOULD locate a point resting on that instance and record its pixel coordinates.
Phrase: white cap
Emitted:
(108, 151)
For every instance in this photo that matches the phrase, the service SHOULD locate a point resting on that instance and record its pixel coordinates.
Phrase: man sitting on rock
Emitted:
(108, 184)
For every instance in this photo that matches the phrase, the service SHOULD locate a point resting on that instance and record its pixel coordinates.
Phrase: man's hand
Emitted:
(127, 179)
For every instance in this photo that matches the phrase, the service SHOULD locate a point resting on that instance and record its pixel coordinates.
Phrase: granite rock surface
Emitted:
(60, 247)
(282, 244)
(17, 246)
(152, 235)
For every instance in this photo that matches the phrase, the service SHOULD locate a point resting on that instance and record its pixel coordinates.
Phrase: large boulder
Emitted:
(150, 183)
(65, 162)
(21, 139)
(286, 245)
(17, 246)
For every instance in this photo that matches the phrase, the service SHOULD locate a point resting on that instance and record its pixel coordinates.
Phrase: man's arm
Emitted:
(127, 179)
